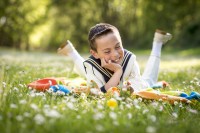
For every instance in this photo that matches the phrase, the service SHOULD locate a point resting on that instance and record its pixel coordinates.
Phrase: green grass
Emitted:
(23, 110)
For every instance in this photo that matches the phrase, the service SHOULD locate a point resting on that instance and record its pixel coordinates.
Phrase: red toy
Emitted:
(45, 83)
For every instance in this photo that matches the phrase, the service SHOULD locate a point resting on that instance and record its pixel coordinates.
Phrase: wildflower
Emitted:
(160, 100)
(78, 117)
(128, 106)
(21, 85)
(40, 94)
(192, 110)
(160, 108)
(113, 115)
(152, 118)
(99, 128)
(72, 99)
(116, 123)
(180, 105)
(12, 105)
(60, 93)
(15, 89)
(4, 84)
(137, 107)
(154, 104)
(128, 99)
(121, 107)
(129, 115)
(34, 106)
(52, 113)
(124, 89)
(100, 106)
(22, 101)
(39, 119)
(83, 96)
(175, 103)
(135, 102)
(145, 111)
(140, 99)
(112, 103)
(70, 105)
(175, 115)
(19, 118)
(46, 106)
(150, 129)
(50, 90)
(94, 91)
(26, 114)
(98, 116)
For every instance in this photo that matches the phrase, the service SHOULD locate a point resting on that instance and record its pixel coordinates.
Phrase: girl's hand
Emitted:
(110, 65)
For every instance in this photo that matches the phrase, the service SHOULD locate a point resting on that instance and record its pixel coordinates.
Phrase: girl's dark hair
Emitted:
(97, 31)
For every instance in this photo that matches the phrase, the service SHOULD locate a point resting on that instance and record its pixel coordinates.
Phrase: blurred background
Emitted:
(46, 24)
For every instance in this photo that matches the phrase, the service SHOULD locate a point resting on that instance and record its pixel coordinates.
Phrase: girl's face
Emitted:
(109, 47)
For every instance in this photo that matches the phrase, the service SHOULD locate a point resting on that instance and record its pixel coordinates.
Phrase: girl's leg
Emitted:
(152, 68)
(69, 50)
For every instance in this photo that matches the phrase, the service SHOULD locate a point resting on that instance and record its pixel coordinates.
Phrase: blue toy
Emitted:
(193, 95)
(62, 88)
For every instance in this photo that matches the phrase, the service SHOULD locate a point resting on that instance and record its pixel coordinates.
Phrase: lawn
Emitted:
(23, 110)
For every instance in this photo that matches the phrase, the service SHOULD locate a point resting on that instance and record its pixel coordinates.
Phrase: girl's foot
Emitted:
(162, 36)
(66, 48)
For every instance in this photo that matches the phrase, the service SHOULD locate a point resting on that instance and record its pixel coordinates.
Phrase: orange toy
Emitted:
(156, 96)
(113, 91)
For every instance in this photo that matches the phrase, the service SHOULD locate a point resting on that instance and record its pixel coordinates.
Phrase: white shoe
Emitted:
(162, 36)
(66, 48)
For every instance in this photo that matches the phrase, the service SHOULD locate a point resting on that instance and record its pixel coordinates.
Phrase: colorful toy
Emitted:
(61, 84)
(45, 83)
(80, 86)
(158, 92)
(155, 95)
(193, 95)
(61, 88)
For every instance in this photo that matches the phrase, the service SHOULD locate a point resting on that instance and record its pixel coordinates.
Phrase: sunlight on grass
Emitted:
(24, 110)
(180, 64)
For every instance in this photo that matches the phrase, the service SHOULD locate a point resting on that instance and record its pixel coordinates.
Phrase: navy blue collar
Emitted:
(107, 74)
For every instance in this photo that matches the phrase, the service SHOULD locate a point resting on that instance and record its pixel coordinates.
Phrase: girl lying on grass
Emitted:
(111, 65)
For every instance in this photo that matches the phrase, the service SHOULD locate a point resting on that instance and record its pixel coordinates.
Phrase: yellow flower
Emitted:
(112, 103)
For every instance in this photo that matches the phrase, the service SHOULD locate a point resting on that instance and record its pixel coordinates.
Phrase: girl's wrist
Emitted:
(118, 70)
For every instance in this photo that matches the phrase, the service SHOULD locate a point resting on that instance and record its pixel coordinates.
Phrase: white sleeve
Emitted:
(136, 80)
(93, 74)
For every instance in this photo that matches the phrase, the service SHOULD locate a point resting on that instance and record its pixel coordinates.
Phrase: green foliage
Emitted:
(23, 110)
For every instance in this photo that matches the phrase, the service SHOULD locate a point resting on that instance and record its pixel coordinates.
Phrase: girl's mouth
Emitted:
(116, 60)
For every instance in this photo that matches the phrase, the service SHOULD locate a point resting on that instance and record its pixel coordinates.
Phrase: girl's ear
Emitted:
(94, 53)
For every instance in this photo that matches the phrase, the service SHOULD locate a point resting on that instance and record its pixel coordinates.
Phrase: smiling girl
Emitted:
(110, 64)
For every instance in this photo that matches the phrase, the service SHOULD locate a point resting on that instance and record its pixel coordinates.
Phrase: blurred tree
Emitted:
(18, 18)
(49, 23)
(171, 16)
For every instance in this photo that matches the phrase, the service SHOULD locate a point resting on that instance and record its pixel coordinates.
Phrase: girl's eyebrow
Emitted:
(105, 49)
(118, 43)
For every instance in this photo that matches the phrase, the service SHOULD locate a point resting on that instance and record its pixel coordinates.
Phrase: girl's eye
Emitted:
(107, 52)
(117, 47)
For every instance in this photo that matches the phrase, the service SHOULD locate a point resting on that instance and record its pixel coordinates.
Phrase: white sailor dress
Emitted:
(131, 72)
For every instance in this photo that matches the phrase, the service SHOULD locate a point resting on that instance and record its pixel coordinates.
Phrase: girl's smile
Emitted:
(109, 47)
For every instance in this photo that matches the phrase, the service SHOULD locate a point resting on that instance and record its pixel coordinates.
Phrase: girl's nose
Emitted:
(115, 53)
